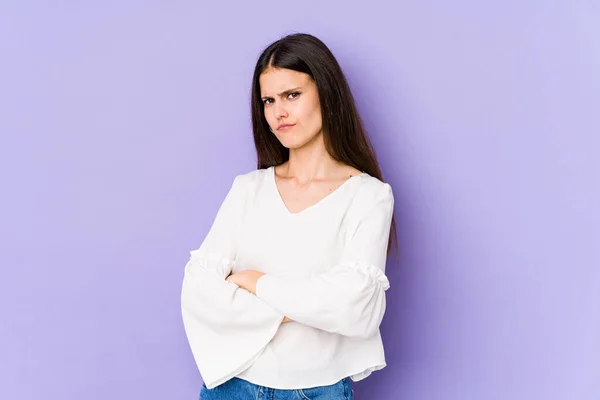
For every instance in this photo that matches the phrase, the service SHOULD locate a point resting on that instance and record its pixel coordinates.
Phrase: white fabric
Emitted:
(325, 269)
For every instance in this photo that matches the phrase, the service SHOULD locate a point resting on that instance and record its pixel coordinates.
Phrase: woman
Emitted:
(284, 297)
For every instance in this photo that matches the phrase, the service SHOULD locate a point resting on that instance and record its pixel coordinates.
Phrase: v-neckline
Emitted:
(304, 210)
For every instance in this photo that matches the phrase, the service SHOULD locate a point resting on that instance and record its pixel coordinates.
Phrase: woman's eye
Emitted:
(292, 95)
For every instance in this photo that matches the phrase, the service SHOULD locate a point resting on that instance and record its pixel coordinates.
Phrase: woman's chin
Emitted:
(291, 143)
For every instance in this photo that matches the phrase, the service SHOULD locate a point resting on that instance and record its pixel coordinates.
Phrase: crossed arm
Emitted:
(228, 328)
(247, 280)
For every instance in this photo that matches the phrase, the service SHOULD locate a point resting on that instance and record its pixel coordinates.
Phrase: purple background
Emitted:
(124, 123)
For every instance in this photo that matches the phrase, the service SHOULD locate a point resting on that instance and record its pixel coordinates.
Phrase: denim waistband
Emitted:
(240, 389)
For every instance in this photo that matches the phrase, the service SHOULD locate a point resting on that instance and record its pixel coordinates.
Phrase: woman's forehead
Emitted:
(275, 80)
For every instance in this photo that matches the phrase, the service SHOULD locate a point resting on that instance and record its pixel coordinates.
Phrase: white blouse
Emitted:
(325, 270)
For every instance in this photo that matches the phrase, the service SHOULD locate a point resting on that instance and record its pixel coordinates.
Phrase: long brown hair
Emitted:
(344, 134)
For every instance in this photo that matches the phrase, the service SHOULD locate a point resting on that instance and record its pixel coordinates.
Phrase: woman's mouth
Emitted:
(284, 126)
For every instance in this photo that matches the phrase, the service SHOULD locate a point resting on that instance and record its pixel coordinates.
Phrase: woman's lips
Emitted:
(286, 126)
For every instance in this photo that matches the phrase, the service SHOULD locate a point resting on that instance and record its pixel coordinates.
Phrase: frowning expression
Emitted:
(291, 106)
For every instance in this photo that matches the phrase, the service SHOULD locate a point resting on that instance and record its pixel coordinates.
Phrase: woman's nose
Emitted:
(280, 110)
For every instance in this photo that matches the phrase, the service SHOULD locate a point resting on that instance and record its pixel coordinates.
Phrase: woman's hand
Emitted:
(246, 279)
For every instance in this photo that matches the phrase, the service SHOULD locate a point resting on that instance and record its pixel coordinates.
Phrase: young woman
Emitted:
(284, 297)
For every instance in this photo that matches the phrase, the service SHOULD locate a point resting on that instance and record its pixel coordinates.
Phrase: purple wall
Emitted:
(123, 125)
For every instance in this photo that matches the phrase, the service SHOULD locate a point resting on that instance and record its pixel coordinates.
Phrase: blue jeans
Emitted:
(239, 389)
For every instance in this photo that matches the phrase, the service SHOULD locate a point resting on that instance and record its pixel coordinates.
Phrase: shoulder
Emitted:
(371, 192)
(247, 180)
(372, 188)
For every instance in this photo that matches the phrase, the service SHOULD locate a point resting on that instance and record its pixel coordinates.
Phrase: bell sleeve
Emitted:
(349, 298)
(227, 327)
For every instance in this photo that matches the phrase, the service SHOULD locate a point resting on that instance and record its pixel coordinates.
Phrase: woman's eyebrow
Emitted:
(285, 92)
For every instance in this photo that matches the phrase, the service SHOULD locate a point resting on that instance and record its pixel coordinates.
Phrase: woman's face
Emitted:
(291, 97)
